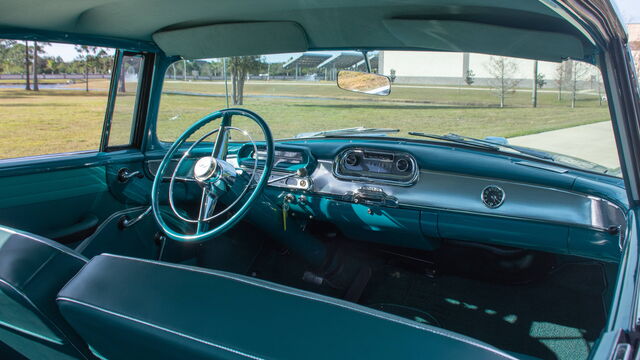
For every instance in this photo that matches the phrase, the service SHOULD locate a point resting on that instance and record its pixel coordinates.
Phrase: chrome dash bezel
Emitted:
(372, 180)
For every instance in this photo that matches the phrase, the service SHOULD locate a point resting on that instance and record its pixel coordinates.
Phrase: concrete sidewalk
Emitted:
(593, 142)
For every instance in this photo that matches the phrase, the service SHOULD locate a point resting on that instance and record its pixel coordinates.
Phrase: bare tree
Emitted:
(578, 71)
(503, 70)
(563, 75)
(240, 67)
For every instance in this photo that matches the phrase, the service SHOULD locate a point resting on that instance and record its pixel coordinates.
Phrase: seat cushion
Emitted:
(128, 308)
(33, 269)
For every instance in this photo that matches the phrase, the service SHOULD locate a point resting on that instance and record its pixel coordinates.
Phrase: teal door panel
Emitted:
(69, 195)
(47, 203)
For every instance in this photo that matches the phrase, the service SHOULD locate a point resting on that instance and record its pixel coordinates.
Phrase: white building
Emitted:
(442, 68)
(634, 42)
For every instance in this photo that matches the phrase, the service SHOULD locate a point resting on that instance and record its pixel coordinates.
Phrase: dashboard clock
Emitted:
(493, 196)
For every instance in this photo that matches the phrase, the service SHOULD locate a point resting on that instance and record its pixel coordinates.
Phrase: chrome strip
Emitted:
(460, 193)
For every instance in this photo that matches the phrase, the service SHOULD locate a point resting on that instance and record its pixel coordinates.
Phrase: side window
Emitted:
(125, 109)
(52, 97)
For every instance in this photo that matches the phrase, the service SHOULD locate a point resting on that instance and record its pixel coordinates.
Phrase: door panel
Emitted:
(53, 203)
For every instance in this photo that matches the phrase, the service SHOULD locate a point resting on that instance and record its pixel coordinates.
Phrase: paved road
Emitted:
(593, 142)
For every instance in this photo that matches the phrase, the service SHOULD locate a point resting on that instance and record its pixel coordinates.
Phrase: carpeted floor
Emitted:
(558, 317)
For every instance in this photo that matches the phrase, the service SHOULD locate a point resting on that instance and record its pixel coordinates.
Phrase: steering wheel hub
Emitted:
(205, 168)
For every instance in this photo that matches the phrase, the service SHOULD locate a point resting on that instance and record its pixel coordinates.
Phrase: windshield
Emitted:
(471, 95)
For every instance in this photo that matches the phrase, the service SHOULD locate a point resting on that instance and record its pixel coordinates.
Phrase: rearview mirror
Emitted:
(365, 83)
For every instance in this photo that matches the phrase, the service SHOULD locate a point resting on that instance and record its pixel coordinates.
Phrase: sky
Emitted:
(629, 12)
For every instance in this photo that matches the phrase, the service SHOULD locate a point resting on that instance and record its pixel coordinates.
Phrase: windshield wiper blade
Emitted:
(356, 131)
(488, 144)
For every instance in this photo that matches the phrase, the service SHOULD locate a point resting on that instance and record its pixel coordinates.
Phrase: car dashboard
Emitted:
(419, 195)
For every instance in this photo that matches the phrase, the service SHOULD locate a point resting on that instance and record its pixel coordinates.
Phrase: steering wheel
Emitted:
(215, 176)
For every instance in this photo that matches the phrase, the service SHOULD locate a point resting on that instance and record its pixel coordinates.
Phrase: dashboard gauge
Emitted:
(493, 196)
(351, 159)
(403, 165)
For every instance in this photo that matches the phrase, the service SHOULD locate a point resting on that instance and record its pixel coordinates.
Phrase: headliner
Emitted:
(329, 24)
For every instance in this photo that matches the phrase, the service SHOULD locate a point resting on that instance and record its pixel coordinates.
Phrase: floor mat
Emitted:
(559, 317)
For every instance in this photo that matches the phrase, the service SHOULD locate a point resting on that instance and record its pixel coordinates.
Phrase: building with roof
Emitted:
(451, 68)
(326, 66)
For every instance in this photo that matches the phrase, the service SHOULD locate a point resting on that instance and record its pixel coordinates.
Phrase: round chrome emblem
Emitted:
(492, 196)
(204, 168)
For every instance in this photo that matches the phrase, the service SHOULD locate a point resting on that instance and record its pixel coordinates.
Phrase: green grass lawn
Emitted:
(52, 121)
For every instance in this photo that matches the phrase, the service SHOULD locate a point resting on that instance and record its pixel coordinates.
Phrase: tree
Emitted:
(5, 54)
(91, 56)
(563, 70)
(84, 52)
(469, 77)
(579, 70)
(503, 70)
(240, 66)
(37, 49)
(26, 65)
(541, 81)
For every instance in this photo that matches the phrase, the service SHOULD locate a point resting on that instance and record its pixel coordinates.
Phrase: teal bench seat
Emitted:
(128, 308)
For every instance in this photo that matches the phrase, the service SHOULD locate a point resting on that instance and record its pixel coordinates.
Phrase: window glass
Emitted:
(124, 111)
(52, 97)
(562, 110)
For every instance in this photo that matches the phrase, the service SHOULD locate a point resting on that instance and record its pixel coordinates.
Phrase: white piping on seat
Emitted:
(326, 300)
(52, 244)
(158, 327)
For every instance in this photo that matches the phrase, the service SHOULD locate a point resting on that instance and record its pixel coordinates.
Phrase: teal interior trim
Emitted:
(448, 35)
(249, 38)
(75, 38)
(65, 161)
(52, 186)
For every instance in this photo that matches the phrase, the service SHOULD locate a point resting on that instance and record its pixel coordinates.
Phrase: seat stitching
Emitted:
(322, 299)
(221, 347)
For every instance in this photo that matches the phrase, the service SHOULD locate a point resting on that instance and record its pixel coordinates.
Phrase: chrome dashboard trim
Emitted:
(459, 193)
(340, 157)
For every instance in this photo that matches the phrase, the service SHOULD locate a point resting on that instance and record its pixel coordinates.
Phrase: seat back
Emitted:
(33, 269)
(155, 310)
